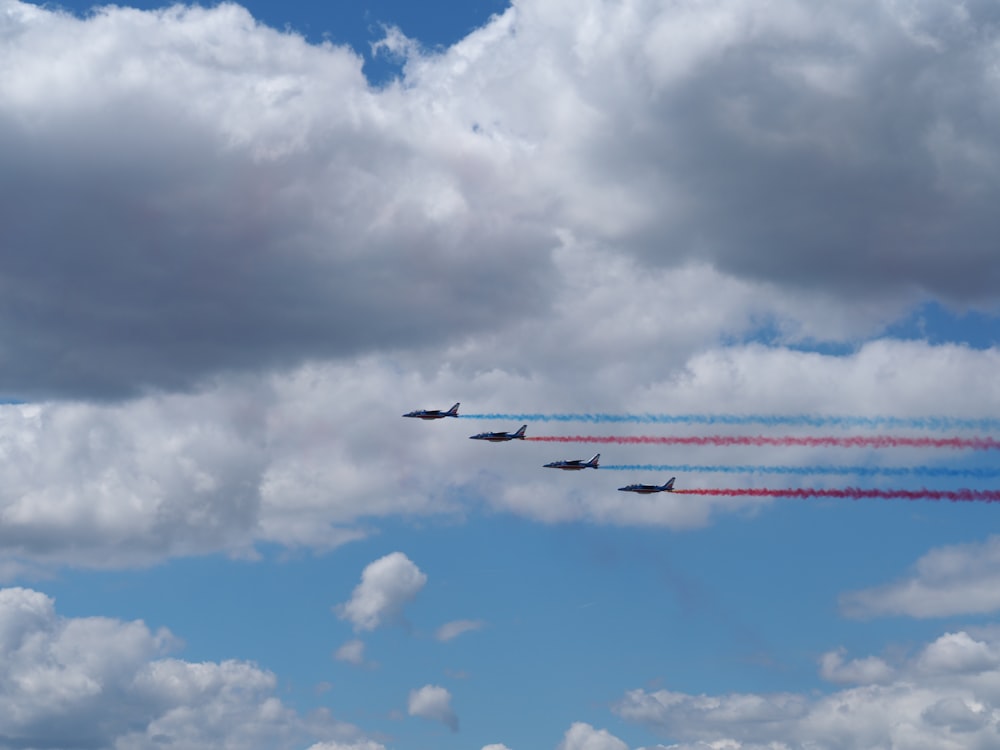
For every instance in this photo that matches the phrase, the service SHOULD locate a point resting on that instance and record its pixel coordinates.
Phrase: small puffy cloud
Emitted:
(495, 747)
(387, 584)
(433, 702)
(352, 652)
(455, 628)
(582, 736)
(865, 671)
(959, 653)
(952, 580)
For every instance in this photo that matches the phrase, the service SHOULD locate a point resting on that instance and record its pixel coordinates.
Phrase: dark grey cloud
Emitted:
(174, 208)
(846, 148)
(185, 193)
(835, 146)
(861, 188)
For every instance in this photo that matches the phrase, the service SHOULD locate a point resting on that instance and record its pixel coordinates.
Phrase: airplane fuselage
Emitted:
(574, 464)
(648, 489)
(500, 437)
(433, 413)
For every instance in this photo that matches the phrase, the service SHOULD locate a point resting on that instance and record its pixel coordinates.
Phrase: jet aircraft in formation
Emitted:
(575, 464)
(646, 489)
(433, 413)
(500, 437)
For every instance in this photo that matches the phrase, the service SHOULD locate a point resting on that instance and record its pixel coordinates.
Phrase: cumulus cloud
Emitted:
(453, 629)
(952, 580)
(866, 671)
(316, 456)
(959, 653)
(294, 200)
(254, 230)
(582, 736)
(945, 695)
(846, 145)
(433, 702)
(102, 682)
(352, 652)
(387, 585)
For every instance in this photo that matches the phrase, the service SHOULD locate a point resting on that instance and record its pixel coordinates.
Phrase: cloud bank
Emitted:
(945, 695)
(833, 154)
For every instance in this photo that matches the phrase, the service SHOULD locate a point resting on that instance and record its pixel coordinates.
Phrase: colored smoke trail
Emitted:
(936, 424)
(855, 493)
(858, 471)
(821, 441)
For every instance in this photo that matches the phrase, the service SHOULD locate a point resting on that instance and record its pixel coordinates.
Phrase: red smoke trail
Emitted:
(856, 493)
(821, 441)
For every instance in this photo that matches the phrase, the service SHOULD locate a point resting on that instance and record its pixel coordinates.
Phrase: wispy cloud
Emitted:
(456, 628)
(954, 580)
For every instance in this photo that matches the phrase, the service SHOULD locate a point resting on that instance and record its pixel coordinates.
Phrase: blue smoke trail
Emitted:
(785, 420)
(859, 471)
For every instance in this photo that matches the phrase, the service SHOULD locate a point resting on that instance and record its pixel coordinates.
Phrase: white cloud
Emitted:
(867, 671)
(433, 702)
(495, 747)
(352, 652)
(103, 682)
(387, 585)
(945, 695)
(952, 580)
(453, 629)
(566, 255)
(959, 653)
(256, 228)
(316, 456)
(583, 736)
(283, 200)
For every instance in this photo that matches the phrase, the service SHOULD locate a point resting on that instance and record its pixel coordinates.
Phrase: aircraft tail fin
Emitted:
(594, 460)
(453, 411)
(669, 486)
(520, 432)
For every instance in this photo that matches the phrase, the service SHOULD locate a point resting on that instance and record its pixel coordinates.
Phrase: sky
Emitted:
(750, 245)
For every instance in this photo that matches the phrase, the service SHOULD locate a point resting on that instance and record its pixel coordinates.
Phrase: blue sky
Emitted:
(361, 24)
(240, 245)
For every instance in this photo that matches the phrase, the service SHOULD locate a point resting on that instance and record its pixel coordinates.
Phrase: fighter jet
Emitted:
(645, 489)
(433, 413)
(575, 464)
(500, 437)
